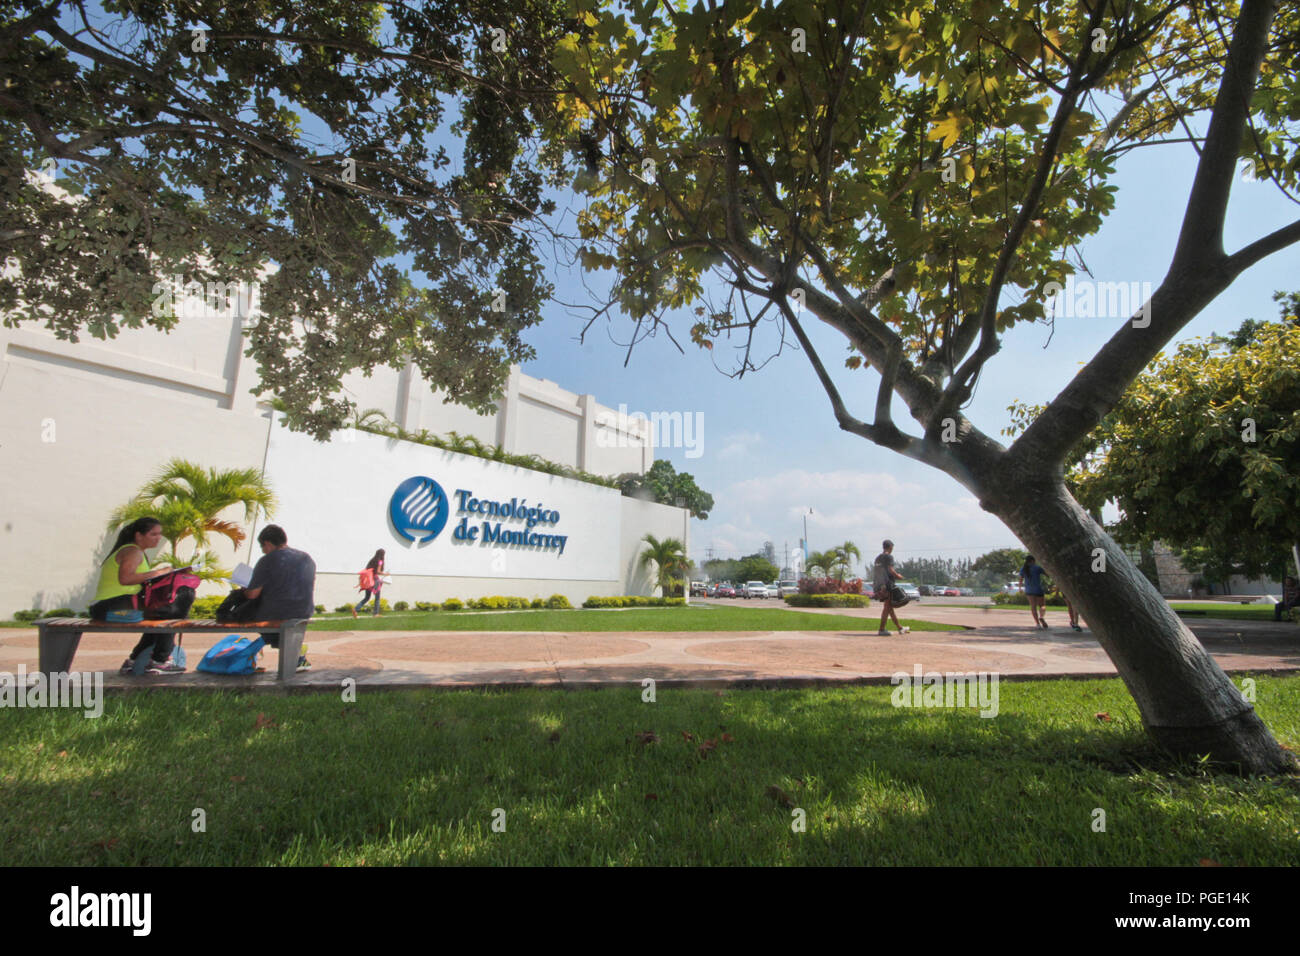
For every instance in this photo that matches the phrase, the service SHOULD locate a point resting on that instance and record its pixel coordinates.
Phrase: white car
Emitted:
(910, 590)
(786, 587)
(773, 590)
(755, 589)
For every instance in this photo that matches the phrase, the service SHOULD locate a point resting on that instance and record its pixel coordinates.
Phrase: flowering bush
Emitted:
(830, 586)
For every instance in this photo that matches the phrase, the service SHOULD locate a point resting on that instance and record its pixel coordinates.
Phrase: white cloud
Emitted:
(738, 444)
(923, 519)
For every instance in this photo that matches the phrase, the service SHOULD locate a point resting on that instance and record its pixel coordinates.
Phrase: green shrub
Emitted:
(36, 613)
(400, 606)
(558, 602)
(827, 600)
(320, 608)
(343, 609)
(537, 603)
(427, 605)
(631, 600)
(452, 604)
(206, 607)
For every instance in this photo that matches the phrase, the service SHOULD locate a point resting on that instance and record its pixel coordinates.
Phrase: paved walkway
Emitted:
(995, 640)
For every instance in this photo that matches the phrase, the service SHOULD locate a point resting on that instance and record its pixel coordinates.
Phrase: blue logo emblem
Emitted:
(418, 506)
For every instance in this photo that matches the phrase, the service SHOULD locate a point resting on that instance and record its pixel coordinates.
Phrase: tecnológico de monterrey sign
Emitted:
(420, 505)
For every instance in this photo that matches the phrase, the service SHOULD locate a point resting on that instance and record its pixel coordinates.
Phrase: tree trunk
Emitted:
(1187, 703)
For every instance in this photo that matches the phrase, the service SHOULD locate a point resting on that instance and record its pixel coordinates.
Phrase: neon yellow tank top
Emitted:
(109, 587)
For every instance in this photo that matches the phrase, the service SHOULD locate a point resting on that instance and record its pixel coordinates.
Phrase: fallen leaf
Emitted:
(106, 844)
(1206, 861)
(687, 735)
(63, 753)
(837, 665)
(708, 747)
(779, 795)
(238, 779)
(97, 793)
(263, 721)
(652, 796)
(40, 746)
(727, 738)
(1104, 716)
(648, 737)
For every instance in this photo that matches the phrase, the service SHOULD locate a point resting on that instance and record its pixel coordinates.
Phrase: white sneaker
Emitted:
(904, 630)
(883, 633)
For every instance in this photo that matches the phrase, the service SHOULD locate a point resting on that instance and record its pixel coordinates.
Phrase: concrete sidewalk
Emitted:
(994, 640)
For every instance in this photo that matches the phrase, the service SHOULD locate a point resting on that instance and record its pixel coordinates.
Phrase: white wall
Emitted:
(84, 425)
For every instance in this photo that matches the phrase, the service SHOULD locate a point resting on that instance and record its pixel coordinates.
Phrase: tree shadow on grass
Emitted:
(568, 778)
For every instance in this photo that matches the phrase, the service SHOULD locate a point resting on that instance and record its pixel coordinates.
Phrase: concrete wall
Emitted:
(84, 425)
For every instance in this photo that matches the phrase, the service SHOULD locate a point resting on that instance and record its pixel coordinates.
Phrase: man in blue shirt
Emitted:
(283, 584)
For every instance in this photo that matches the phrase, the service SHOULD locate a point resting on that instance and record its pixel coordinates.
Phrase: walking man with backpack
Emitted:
(883, 577)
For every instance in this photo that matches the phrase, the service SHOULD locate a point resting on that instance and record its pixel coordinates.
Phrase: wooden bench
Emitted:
(60, 636)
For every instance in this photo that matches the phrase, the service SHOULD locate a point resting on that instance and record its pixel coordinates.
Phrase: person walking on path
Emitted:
(883, 577)
(1031, 578)
(376, 568)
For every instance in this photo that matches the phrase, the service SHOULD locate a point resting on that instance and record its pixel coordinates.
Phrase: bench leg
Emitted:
(291, 639)
(57, 650)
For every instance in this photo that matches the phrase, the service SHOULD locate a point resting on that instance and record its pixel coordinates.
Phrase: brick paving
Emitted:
(993, 640)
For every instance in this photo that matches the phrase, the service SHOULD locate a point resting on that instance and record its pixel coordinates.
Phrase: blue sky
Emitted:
(770, 447)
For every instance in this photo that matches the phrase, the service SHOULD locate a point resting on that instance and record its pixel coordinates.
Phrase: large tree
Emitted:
(916, 180)
(1203, 453)
(294, 145)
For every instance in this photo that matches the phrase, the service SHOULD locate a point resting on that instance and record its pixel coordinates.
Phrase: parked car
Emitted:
(911, 590)
(786, 587)
(951, 592)
(699, 589)
(925, 589)
(755, 589)
(725, 590)
(967, 592)
(1012, 588)
(773, 590)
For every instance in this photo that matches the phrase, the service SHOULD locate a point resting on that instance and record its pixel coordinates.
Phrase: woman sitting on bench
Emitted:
(120, 577)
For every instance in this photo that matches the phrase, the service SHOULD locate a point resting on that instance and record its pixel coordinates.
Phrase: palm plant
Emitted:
(821, 563)
(668, 556)
(844, 555)
(187, 499)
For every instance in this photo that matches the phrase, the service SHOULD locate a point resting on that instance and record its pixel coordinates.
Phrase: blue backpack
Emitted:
(233, 654)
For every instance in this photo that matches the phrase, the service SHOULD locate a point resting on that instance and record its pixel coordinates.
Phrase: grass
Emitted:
(1235, 612)
(419, 777)
(632, 619)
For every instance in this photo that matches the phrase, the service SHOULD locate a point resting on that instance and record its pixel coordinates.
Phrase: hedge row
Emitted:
(827, 600)
(633, 600)
(830, 586)
(1055, 599)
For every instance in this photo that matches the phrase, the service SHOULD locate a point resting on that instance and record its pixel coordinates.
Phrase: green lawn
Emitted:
(1236, 612)
(418, 777)
(633, 619)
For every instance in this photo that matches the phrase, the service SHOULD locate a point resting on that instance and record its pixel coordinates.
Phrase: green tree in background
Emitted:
(662, 483)
(755, 567)
(188, 499)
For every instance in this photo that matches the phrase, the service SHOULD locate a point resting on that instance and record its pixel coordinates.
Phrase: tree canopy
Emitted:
(296, 146)
(664, 484)
(1203, 452)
